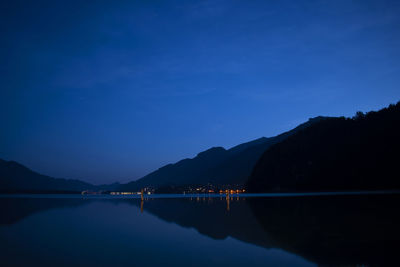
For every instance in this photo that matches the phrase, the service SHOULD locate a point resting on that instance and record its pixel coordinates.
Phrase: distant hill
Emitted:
(216, 165)
(16, 178)
(335, 154)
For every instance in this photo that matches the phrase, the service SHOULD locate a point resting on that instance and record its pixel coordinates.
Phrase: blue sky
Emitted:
(108, 91)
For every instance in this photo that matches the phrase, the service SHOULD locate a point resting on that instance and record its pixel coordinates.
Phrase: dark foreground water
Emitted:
(200, 231)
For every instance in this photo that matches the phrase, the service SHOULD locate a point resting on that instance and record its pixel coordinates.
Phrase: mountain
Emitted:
(216, 165)
(335, 154)
(15, 177)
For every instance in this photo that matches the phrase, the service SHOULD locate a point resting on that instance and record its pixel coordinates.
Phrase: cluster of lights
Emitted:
(231, 191)
(128, 193)
(226, 191)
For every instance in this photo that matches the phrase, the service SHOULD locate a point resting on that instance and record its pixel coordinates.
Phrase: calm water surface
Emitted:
(200, 231)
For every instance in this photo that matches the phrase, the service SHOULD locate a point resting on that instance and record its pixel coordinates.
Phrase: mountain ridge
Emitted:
(336, 154)
(17, 178)
(216, 165)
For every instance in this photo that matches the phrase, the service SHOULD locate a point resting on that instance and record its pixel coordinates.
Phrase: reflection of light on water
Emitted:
(227, 201)
(201, 198)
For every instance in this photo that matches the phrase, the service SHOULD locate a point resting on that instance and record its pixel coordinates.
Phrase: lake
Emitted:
(200, 230)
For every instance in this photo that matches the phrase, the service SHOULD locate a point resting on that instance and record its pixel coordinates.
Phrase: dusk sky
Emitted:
(108, 91)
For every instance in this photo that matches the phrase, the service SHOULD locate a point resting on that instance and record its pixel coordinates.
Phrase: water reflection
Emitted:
(227, 202)
(345, 230)
(326, 230)
(14, 209)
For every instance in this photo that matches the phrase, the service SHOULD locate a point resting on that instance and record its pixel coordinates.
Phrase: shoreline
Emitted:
(166, 196)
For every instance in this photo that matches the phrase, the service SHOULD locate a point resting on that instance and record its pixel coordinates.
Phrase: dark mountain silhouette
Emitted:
(216, 165)
(335, 154)
(16, 178)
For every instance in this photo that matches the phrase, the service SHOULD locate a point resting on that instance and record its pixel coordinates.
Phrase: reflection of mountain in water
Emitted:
(210, 217)
(328, 230)
(13, 210)
(339, 230)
